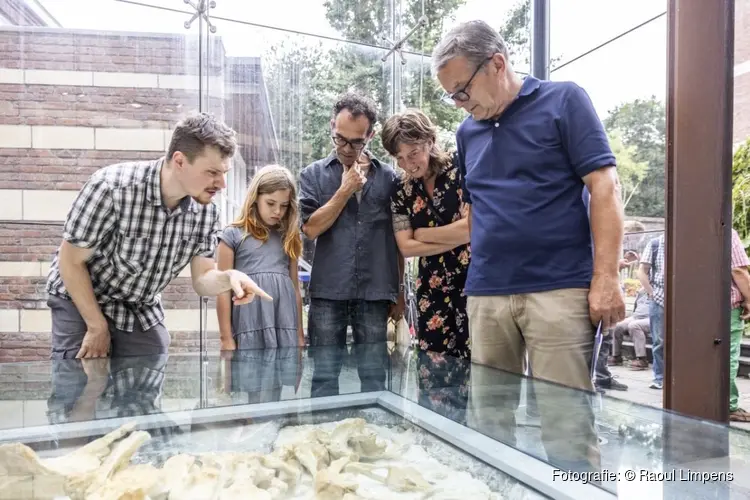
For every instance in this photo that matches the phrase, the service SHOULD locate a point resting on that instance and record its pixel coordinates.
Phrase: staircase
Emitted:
(743, 371)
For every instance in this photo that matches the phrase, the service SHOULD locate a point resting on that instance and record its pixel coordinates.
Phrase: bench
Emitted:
(628, 352)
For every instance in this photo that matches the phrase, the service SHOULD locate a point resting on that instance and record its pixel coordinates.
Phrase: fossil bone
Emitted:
(331, 484)
(79, 485)
(401, 479)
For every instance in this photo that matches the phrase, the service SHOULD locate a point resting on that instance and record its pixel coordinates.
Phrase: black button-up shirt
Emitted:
(357, 257)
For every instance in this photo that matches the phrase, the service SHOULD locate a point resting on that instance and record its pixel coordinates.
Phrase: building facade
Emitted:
(72, 102)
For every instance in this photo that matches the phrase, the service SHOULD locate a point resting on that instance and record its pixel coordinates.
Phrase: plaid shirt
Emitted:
(657, 273)
(739, 259)
(139, 245)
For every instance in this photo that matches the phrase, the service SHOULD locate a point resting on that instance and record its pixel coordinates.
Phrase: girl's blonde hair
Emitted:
(267, 180)
(414, 127)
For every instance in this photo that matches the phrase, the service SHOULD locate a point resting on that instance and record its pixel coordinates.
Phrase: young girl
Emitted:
(264, 243)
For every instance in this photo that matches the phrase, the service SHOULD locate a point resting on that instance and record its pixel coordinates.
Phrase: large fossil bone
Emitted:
(331, 484)
(78, 486)
(400, 479)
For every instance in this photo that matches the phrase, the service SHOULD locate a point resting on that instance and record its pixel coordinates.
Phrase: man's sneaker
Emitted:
(655, 385)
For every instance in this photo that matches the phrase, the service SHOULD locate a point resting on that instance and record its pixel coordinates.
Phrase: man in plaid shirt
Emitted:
(740, 300)
(651, 276)
(131, 230)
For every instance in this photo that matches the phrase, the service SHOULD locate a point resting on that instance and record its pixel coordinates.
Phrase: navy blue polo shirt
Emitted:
(523, 175)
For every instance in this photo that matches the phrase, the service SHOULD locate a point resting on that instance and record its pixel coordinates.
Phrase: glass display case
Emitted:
(359, 423)
(363, 422)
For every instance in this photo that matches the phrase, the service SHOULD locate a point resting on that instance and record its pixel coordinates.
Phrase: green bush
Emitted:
(741, 198)
(741, 192)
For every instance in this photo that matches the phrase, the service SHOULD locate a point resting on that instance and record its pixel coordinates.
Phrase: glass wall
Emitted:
(89, 83)
(617, 53)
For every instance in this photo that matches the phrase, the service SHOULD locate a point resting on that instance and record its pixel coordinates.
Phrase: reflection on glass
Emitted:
(632, 108)
(577, 27)
(152, 390)
(362, 22)
(89, 84)
(280, 87)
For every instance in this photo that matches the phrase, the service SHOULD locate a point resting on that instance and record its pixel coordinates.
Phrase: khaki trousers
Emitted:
(556, 330)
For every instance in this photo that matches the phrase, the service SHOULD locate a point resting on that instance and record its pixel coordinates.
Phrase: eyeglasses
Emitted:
(355, 144)
(461, 95)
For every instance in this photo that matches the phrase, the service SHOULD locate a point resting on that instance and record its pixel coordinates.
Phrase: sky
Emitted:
(629, 68)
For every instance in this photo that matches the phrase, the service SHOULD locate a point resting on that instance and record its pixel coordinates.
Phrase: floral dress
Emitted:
(443, 324)
(443, 359)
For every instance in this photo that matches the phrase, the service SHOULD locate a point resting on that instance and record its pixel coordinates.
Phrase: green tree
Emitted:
(741, 192)
(369, 22)
(631, 172)
(289, 75)
(304, 79)
(642, 126)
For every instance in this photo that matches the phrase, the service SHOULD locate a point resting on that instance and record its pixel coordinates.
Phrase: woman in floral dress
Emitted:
(430, 223)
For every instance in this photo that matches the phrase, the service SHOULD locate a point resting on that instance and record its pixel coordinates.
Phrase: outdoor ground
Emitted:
(639, 392)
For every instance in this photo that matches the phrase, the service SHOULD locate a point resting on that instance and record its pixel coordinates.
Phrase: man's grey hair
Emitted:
(474, 40)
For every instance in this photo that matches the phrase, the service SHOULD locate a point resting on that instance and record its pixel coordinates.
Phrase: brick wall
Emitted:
(70, 103)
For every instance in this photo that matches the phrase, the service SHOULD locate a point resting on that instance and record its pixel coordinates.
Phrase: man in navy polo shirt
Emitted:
(527, 151)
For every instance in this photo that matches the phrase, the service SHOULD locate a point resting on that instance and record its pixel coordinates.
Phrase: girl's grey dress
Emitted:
(263, 324)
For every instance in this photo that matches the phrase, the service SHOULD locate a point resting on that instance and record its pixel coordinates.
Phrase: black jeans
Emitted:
(327, 324)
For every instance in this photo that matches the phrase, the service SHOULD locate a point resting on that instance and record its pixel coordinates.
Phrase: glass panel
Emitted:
(577, 27)
(633, 112)
(421, 90)
(353, 432)
(269, 375)
(40, 393)
(457, 406)
(83, 85)
(336, 20)
(283, 86)
(571, 429)
(512, 19)
(741, 139)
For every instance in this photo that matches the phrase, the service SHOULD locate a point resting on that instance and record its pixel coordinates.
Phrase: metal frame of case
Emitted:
(527, 470)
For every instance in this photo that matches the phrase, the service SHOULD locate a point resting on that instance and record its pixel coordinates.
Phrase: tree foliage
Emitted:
(641, 125)
(304, 78)
(741, 192)
(630, 171)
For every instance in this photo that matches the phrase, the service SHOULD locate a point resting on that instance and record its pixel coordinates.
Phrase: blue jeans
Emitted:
(327, 323)
(656, 321)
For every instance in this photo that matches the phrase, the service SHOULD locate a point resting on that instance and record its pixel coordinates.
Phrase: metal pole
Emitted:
(540, 39)
(203, 351)
(699, 167)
